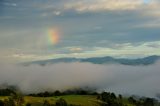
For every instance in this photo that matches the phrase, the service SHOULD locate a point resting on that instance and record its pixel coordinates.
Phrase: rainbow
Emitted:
(53, 36)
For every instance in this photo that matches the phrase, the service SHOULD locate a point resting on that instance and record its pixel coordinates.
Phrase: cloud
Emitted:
(129, 50)
(75, 49)
(155, 44)
(48, 14)
(10, 4)
(140, 80)
(57, 12)
(100, 5)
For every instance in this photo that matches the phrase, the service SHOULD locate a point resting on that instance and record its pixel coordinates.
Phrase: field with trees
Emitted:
(78, 97)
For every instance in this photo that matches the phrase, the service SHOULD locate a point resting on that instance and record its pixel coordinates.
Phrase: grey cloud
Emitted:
(154, 45)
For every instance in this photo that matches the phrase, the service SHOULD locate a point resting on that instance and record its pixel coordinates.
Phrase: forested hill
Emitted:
(100, 60)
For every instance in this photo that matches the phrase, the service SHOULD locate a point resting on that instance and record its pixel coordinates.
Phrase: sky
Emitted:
(45, 29)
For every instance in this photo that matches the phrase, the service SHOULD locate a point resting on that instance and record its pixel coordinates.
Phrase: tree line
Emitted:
(107, 98)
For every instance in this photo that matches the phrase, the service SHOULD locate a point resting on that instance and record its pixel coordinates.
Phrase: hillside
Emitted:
(100, 60)
(75, 98)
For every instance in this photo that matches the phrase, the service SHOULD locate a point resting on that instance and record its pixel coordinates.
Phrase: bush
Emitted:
(1, 103)
(28, 104)
(61, 102)
(46, 103)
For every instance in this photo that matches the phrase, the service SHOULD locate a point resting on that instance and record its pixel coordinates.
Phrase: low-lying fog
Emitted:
(138, 80)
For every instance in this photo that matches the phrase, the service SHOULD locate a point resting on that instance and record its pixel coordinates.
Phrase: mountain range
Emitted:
(100, 60)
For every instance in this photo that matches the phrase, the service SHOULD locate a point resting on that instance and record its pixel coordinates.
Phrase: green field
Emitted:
(81, 100)
(71, 99)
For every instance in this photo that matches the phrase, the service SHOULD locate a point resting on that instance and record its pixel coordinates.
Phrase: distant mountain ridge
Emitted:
(100, 60)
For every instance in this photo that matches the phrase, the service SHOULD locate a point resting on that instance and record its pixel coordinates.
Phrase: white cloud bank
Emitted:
(140, 80)
(98, 5)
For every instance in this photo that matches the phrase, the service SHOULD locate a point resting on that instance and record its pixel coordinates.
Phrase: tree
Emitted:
(132, 100)
(57, 93)
(120, 96)
(28, 104)
(149, 102)
(46, 103)
(61, 102)
(113, 96)
(109, 99)
(9, 102)
(1, 103)
(18, 99)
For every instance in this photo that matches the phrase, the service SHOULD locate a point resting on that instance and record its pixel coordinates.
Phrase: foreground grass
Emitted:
(3, 97)
(82, 100)
(79, 100)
